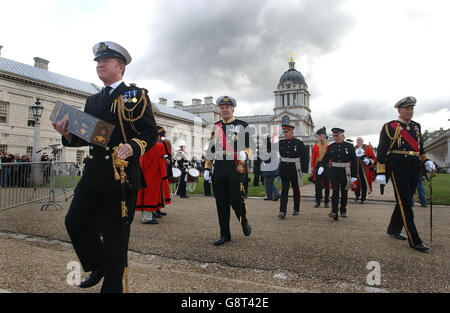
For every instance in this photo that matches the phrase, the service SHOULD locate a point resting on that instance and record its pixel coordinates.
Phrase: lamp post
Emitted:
(36, 110)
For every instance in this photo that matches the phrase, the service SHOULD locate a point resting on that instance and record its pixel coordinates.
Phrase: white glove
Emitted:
(381, 179)
(206, 175)
(429, 166)
(320, 171)
(366, 160)
(242, 156)
(354, 179)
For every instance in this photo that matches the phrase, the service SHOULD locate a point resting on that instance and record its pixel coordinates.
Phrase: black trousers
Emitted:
(404, 179)
(256, 178)
(207, 188)
(362, 190)
(338, 178)
(87, 209)
(182, 187)
(322, 182)
(229, 190)
(285, 182)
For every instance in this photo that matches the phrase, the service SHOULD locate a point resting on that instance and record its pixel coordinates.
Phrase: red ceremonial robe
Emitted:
(369, 172)
(157, 193)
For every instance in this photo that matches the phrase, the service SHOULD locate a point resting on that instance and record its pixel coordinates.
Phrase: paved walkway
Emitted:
(305, 253)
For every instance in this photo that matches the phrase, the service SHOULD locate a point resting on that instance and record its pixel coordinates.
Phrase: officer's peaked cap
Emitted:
(226, 100)
(337, 130)
(406, 102)
(109, 49)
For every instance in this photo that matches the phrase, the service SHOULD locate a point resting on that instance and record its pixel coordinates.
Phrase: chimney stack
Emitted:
(196, 101)
(41, 63)
(1, 50)
(178, 104)
(163, 101)
(208, 100)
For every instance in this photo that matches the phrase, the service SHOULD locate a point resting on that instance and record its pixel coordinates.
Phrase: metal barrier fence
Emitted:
(26, 182)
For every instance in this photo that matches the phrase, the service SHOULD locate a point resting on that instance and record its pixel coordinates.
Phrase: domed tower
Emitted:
(292, 103)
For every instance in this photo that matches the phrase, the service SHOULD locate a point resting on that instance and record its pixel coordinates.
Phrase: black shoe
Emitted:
(343, 215)
(277, 197)
(296, 212)
(333, 216)
(221, 241)
(327, 205)
(94, 278)
(184, 196)
(156, 215)
(151, 222)
(161, 213)
(268, 199)
(357, 198)
(398, 236)
(247, 229)
(421, 247)
(363, 201)
(317, 205)
(281, 215)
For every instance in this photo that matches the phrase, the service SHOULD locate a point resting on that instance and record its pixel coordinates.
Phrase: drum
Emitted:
(176, 175)
(193, 174)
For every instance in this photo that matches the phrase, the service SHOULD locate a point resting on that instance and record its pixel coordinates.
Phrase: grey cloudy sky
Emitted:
(358, 56)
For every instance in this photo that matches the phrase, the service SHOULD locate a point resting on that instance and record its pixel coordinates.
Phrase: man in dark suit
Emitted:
(97, 197)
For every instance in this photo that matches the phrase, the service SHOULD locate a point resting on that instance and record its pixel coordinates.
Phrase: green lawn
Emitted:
(440, 188)
(259, 191)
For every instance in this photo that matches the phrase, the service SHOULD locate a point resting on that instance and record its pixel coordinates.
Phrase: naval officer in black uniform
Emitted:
(399, 157)
(342, 171)
(229, 148)
(293, 162)
(97, 196)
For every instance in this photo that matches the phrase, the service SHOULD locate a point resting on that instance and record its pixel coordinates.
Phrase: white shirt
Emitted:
(114, 86)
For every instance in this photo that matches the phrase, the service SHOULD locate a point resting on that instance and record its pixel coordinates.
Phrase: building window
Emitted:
(3, 148)
(295, 100)
(30, 118)
(288, 100)
(29, 150)
(58, 155)
(4, 111)
(282, 100)
(80, 156)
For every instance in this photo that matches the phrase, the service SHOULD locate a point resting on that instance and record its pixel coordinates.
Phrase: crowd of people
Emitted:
(13, 174)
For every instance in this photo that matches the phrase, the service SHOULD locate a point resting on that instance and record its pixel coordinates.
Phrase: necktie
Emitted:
(106, 91)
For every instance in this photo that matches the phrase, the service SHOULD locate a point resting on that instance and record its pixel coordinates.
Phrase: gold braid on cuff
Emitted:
(141, 143)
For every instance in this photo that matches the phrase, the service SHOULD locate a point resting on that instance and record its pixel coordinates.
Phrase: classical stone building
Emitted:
(291, 106)
(437, 147)
(21, 84)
